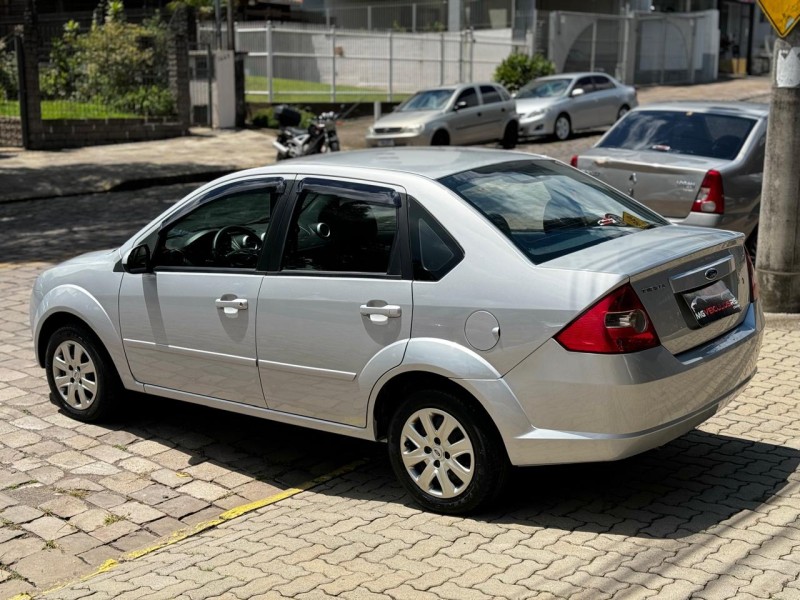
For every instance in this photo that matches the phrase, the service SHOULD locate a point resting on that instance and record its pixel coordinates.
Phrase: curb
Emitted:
(132, 185)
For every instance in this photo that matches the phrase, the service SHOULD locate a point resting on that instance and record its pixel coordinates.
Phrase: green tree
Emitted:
(517, 69)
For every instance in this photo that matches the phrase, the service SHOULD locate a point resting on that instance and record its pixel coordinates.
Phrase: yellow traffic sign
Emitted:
(783, 14)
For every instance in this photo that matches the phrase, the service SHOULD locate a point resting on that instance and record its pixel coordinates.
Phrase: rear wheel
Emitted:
(563, 127)
(440, 138)
(444, 454)
(81, 376)
(510, 136)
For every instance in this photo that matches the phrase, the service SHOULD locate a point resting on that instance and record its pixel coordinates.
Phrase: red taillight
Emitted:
(710, 198)
(751, 272)
(574, 161)
(617, 323)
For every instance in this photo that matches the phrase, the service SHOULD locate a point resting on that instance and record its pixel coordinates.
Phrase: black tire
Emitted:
(562, 134)
(510, 136)
(623, 110)
(334, 147)
(99, 373)
(483, 455)
(440, 138)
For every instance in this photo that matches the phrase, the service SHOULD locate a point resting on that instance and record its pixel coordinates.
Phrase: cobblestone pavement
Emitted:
(715, 514)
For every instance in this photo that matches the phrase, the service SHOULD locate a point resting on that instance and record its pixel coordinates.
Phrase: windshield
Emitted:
(544, 89)
(549, 210)
(427, 100)
(681, 132)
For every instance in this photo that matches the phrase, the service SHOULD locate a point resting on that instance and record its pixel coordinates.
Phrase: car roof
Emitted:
(749, 109)
(430, 162)
(574, 75)
(458, 86)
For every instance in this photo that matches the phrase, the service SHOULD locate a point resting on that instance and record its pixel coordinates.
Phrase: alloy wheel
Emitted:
(75, 375)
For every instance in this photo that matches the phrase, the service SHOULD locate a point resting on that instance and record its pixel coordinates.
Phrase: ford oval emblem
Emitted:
(712, 274)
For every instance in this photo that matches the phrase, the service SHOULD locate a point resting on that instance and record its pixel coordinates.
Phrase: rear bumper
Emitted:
(376, 140)
(589, 407)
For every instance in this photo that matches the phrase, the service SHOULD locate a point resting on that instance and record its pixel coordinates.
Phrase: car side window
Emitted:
(469, 96)
(490, 94)
(227, 232)
(330, 232)
(585, 83)
(434, 252)
(601, 82)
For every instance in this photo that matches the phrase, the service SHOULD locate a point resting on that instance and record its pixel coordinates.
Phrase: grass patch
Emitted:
(294, 91)
(50, 545)
(79, 494)
(9, 524)
(111, 519)
(64, 109)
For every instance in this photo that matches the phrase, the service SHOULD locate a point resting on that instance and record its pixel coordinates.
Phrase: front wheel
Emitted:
(510, 136)
(443, 453)
(81, 376)
(563, 127)
(623, 110)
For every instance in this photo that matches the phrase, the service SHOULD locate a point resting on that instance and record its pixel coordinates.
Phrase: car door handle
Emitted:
(235, 303)
(380, 315)
(480, 114)
(390, 310)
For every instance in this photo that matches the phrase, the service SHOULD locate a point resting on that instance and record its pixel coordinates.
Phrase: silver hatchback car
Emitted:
(474, 309)
(454, 115)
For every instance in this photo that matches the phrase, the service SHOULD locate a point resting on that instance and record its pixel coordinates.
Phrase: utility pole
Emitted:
(778, 255)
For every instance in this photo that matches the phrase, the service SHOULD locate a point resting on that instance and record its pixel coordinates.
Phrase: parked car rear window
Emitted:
(549, 210)
(681, 132)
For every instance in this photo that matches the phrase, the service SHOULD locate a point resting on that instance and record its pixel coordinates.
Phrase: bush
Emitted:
(518, 69)
(118, 64)
(9, 86)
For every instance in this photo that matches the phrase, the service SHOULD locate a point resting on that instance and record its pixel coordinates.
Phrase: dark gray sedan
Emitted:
(696, 163)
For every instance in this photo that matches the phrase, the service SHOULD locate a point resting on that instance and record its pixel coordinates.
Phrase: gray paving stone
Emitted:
(203, 490)
(108, 533)
(182, 506)
(137, 512)
(49, 528)
(64, 506)
(21, 514)
(154, 494)
(49, 566)
(14, 550)
(106, 499)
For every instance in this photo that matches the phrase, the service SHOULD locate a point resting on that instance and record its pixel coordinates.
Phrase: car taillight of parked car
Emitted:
(616, 324)
(574, 161)
(710, 198)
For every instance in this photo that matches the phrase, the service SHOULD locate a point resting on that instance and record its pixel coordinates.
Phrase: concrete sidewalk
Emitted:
(206, 154)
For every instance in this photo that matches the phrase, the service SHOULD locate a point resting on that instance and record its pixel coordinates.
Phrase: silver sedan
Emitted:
(454, 115)
(474, 309)
(696, 163)
(561, 104)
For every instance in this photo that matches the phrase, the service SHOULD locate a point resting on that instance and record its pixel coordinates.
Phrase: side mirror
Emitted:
(577, 92)
(137, 260)
(460, 105)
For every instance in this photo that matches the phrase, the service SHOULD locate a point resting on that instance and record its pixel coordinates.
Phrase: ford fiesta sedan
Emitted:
(473, 309)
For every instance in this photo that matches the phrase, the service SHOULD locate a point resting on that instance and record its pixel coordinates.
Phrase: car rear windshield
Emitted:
(549, 210)
(427, 100)
(681, 132)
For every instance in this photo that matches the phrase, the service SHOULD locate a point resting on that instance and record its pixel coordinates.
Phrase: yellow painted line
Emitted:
(228, 515)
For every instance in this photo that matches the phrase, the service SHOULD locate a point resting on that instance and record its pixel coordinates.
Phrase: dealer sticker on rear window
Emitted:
(712, 303)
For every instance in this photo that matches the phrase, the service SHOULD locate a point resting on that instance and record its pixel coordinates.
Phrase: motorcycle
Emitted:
(294, 141)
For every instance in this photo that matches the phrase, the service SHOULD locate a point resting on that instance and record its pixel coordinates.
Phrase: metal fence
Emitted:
(297, 63)
(9, 78)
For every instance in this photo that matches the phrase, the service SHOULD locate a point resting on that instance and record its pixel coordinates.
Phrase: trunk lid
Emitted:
(666, 183)
(693, 282)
